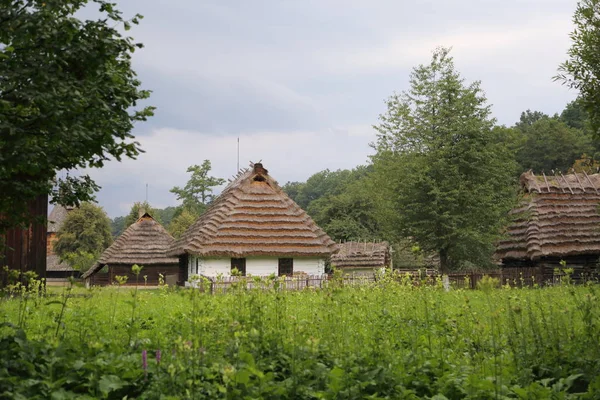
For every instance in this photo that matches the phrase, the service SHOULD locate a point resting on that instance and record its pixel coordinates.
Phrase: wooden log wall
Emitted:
(24, 248)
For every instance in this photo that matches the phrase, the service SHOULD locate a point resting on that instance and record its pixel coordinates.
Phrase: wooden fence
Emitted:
(516, 277)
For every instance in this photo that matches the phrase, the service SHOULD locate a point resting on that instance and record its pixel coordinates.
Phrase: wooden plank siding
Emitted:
(25, 247)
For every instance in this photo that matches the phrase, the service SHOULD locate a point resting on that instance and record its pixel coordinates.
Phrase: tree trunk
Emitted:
(444, 261)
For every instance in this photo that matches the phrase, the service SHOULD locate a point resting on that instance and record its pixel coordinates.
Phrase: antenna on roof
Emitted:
(238, 154)
(146, 192)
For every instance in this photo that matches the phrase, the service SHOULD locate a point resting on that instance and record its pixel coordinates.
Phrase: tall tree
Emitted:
(575, 116)
(67, 99)
(529, 118)
(450, 179)
(347, 212)
(197, 193)
(85, 231)
(550, 145)
(582, 70)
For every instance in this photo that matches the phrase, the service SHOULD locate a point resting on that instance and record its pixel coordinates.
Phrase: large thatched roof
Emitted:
(57, 217)
(558, 217)
(254, 217)
(362, 255)
(144, 242)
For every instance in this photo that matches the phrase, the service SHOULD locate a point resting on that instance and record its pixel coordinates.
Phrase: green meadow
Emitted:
(392, 339)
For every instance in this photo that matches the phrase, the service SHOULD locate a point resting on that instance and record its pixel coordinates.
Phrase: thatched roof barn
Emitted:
(254, 218)
(558, 219)
(362, 256)
(145, 243)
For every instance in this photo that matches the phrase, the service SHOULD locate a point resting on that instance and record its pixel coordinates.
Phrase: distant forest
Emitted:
(345, 204)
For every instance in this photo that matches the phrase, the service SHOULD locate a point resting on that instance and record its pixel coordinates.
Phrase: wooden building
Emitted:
(254, 227)
(24, 248)
(145, 243)
(55, 268)
(362, 258)
(557, 221)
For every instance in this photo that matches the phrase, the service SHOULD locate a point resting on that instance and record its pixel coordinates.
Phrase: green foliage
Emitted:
(85, 231)
(448, 178)
(341, 202)
(197, 193)
(80, 260)
(388, 339)
(165, 215)
(67, 99)
(582, 70)
(575, 116)
(134, 213)
(319, 185)
(551, 145)
(117, 226)
(162, 215)
(180, 223)
(528, 118)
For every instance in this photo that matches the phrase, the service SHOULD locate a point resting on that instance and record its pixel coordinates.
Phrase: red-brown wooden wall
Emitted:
(25, 248)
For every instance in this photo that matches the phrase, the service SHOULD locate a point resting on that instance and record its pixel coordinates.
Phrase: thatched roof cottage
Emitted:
(558, 220)
(254, 227)
(54, 267)
(362, 257)
(145, 243)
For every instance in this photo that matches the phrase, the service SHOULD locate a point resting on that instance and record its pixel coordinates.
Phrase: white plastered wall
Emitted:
(257, 266)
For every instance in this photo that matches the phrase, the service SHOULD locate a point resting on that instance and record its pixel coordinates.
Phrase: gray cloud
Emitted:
(301, 82)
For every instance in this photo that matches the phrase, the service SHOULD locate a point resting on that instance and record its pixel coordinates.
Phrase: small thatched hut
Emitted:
(55, 269)
(254, 227)
(361, 257)
(144, 243)
(558, 220)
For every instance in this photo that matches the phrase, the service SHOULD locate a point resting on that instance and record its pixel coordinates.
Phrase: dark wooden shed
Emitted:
(24, 248)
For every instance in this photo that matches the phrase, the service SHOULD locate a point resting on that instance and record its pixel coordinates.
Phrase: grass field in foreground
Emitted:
(385, 340)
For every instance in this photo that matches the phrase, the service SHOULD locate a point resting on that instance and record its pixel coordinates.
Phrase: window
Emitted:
(286, 267)
(239, 264)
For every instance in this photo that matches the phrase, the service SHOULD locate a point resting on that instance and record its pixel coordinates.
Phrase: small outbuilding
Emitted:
(362, 258)
(556, 225)
(55, 268)
(255, 228)
(145, 243)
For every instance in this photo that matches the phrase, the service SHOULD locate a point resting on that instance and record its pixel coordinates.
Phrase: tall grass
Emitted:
(387, 339)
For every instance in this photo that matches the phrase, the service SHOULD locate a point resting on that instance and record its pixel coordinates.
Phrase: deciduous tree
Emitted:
(68, 99)
(197, 193)
(86, 230)
(550, 145)
(582, 70)
(449, 179)
(180, 223)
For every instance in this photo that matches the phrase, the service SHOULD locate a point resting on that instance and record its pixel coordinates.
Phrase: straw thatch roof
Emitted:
(253, 216)
(53, 264)
(144, 242)
(558, 217)
(57, 217)
(362, 255)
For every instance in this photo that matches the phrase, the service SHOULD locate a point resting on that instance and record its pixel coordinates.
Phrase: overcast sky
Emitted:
(301, 82)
